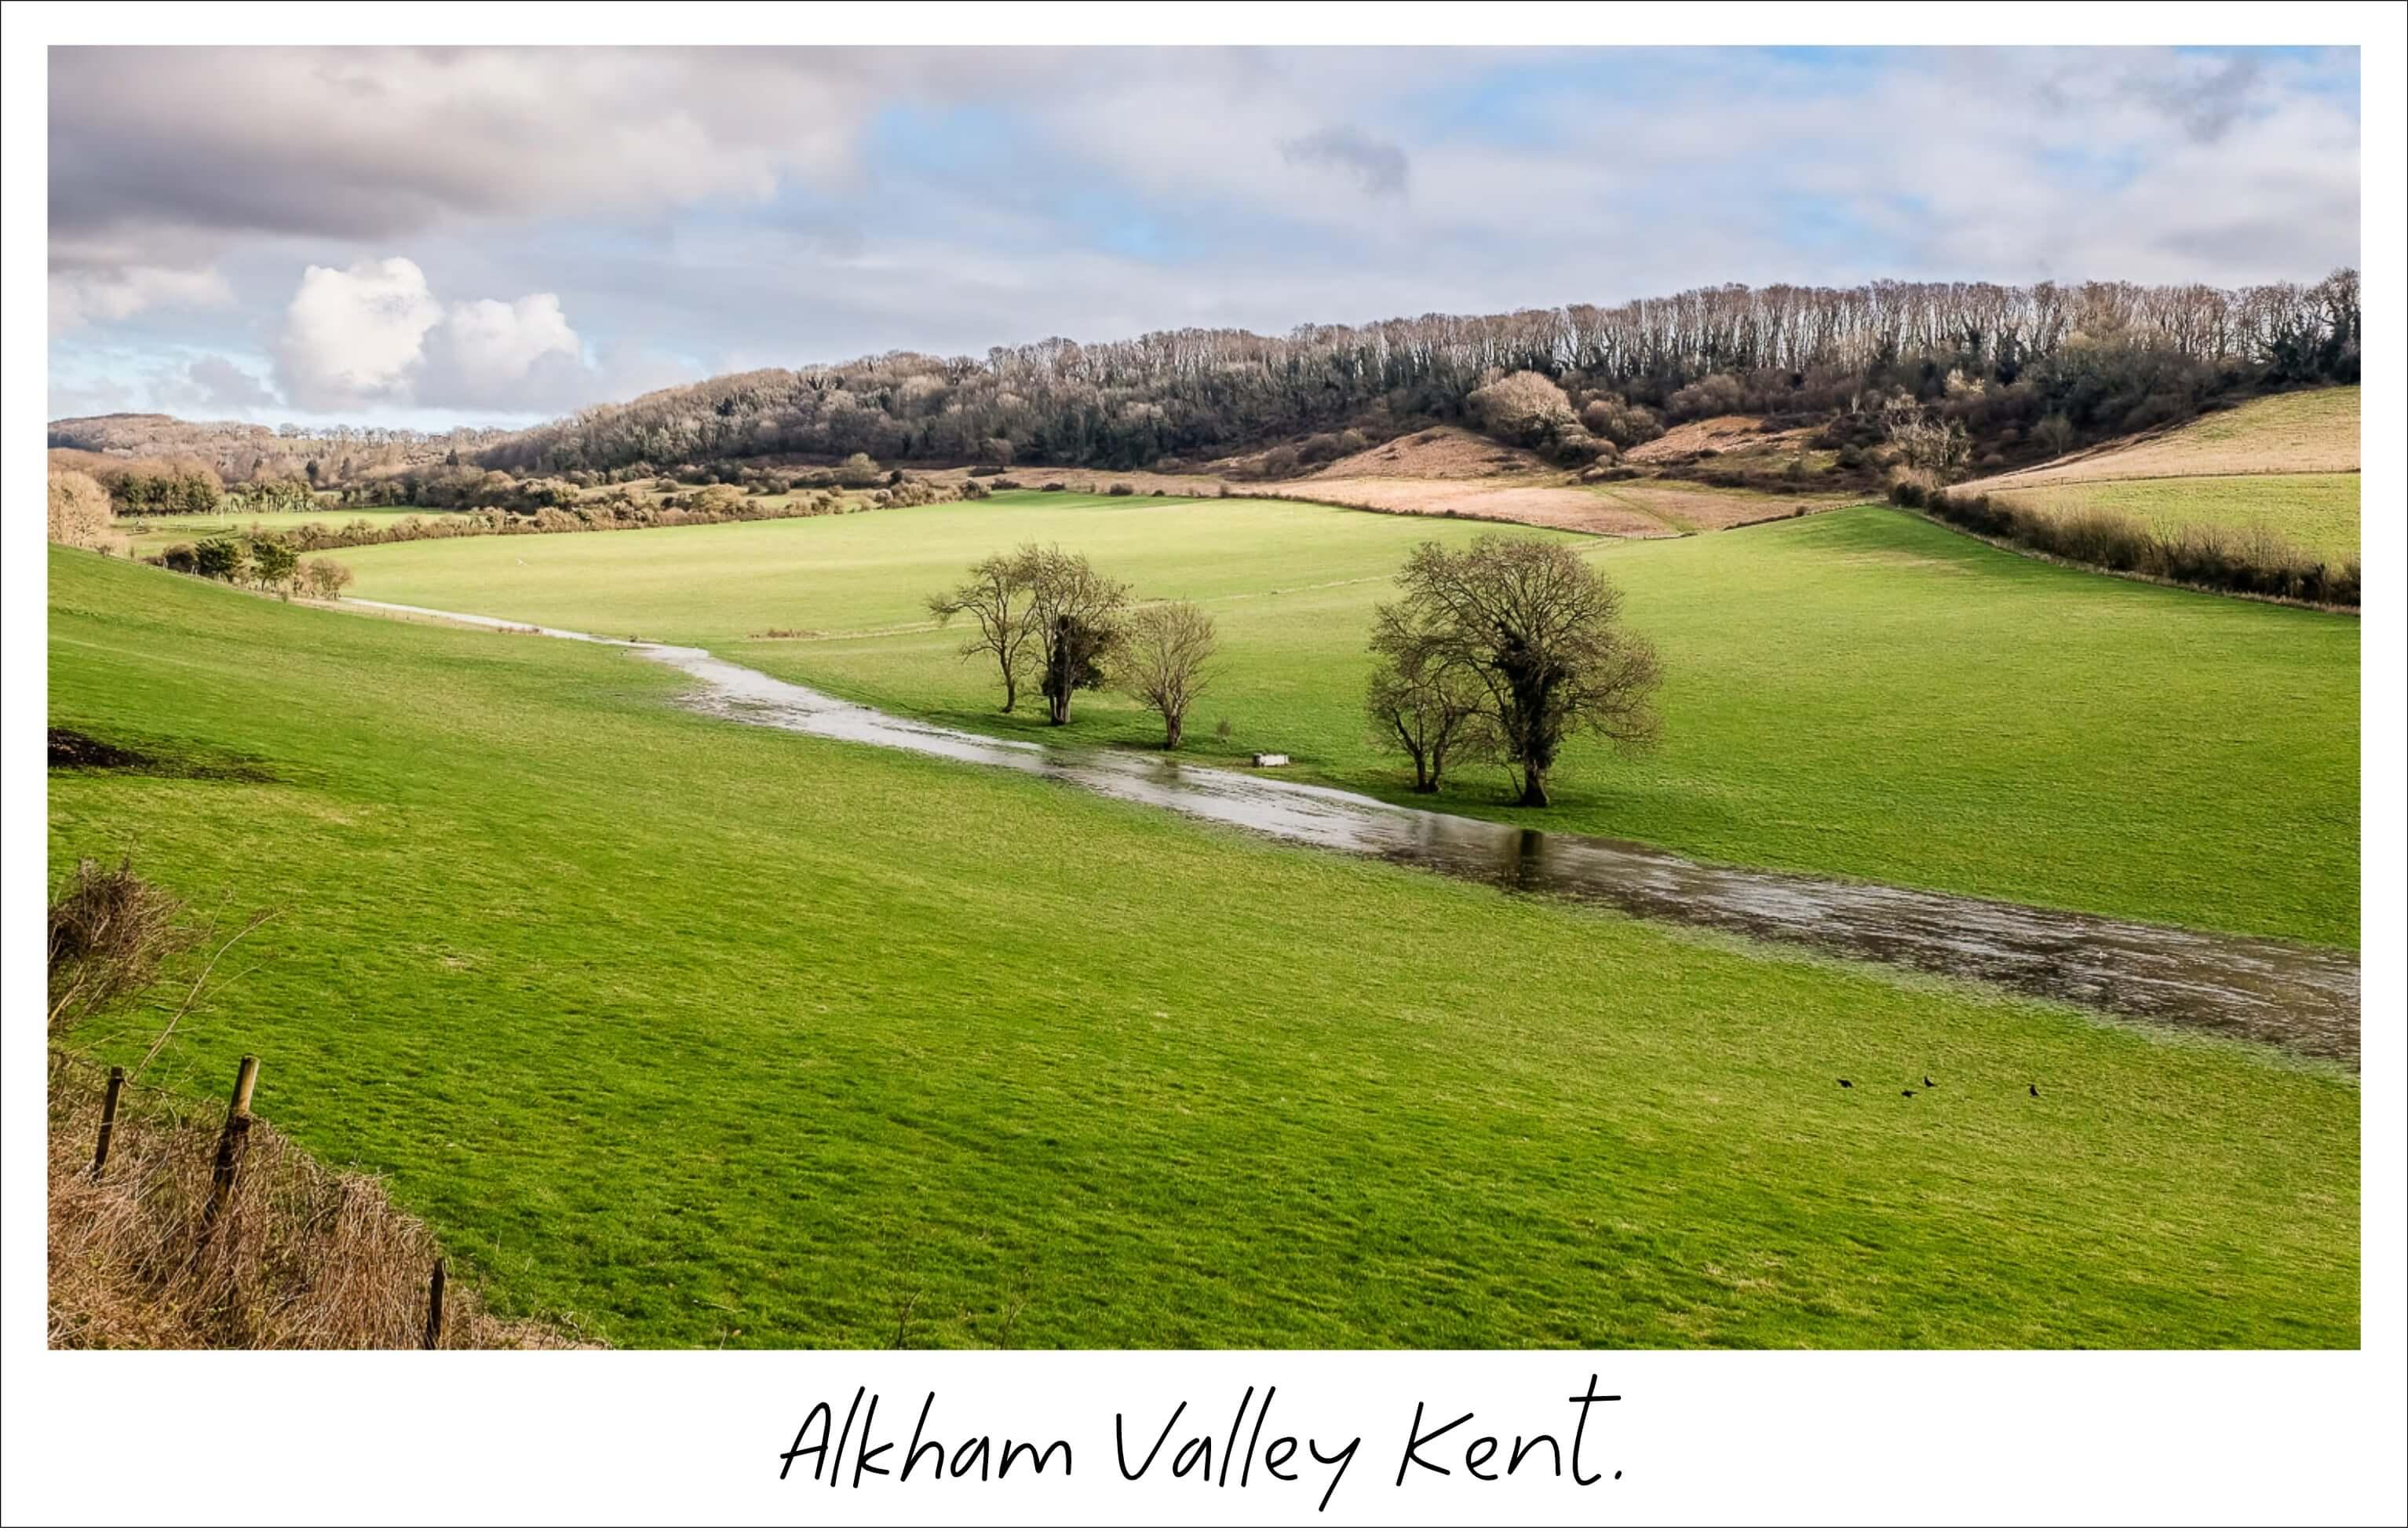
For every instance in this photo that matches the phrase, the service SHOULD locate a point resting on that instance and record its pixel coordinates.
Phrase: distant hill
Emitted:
(1801, 374)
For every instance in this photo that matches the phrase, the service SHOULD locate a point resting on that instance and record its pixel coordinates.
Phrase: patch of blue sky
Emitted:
(1527, 100)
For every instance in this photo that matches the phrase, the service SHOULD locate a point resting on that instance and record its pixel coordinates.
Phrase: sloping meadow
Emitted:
(683, 1033)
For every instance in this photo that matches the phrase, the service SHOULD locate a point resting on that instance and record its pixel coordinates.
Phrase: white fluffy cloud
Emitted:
(375, 335)
(355, 336)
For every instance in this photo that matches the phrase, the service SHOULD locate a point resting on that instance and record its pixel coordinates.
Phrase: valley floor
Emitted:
(684, 1033)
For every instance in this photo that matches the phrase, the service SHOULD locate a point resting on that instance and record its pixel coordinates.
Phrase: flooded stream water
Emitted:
(2294, 996)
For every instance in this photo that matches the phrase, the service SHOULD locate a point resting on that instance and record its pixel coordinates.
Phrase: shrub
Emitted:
(224, 558)
(274, 563)
(1615, 419)
(181, 557)
(1526, 409)
(1717, 392)
(1121, 489)
(1053, 489)
(324, 579)
(1009, 483)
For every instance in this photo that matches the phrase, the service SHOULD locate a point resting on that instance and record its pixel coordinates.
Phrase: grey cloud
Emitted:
(1381, 167)
(2207, 106)
(219, 384)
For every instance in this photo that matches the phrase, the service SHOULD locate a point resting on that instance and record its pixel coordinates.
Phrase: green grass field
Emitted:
(705, 1034)
(2318, 512)
(163, 531)
(2287, 464)
(1859, 693)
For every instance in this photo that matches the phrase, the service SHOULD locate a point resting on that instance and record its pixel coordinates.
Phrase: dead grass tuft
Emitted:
(304, 1257)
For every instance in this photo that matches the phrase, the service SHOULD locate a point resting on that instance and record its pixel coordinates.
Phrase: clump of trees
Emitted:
(1042, 612)
(1509, 647)
(164, 491)
(78, 509)
(1168, 652)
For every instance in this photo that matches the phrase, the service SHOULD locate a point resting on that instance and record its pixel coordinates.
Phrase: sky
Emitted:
(428, 238)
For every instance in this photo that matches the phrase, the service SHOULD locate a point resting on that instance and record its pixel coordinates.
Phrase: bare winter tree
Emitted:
(1542, 632)
(1164, 660)
(1000, 597)
(79, 510)
(1423, 699)
(1075, 614)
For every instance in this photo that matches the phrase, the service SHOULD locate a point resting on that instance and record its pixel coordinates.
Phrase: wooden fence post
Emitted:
(230, 1145)
(107, 1121)
(435, 1309)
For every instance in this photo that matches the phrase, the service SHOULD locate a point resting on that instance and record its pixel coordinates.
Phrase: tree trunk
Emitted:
(1010, 691)
(1175, 725)
(1534, 788)
(1057, 707)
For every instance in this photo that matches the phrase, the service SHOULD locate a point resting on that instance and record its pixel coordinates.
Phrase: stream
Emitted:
(2294, 996)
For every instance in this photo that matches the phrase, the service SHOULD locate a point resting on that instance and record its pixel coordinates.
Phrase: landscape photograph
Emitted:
(1204, 698)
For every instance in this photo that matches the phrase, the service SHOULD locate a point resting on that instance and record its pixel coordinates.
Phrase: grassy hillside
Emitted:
(1860, 693)
(2286, 464)
(2318, 512)
(710, 1035)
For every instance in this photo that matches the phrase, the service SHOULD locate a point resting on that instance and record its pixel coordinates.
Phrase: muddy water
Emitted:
(2301, 998)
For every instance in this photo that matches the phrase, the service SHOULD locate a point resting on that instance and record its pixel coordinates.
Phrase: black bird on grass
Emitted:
(2035, 1090)
(1847, 1084)
(1906, 1091)
(1929, 1083)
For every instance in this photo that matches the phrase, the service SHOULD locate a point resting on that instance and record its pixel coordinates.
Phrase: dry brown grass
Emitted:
(1717, 433)
(304, 1257)
(2313, 431)
(1447, 471)
(1443, 451)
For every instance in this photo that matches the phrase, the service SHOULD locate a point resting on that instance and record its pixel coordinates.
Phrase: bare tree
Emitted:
(1167, 648)
(1541, 631)
(1933, 447)
(1423, 700)
(79, 510)
(1000, 597)
(1076, 614)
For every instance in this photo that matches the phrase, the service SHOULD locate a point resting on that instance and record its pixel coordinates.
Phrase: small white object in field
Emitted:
(1271, 759)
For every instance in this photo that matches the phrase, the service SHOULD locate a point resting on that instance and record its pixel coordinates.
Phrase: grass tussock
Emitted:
(110, 932)
(2239, 560)
(303, 1257)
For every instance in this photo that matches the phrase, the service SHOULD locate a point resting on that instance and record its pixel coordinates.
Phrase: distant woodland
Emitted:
(2015, 374)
